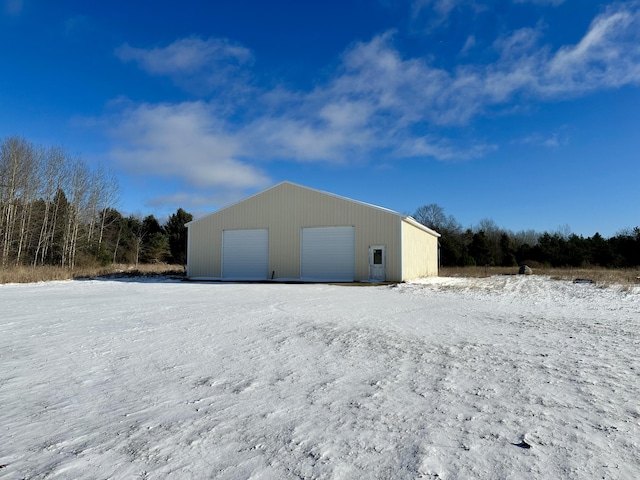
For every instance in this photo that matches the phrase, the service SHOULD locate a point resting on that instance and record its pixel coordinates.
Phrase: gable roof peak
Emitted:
(322, 192)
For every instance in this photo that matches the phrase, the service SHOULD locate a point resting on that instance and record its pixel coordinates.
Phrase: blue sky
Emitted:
(526, 112)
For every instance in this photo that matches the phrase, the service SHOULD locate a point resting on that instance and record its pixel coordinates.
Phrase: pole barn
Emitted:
(291, 232)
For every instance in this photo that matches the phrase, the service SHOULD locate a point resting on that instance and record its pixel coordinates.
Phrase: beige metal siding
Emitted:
(284, 210)
(419, 252)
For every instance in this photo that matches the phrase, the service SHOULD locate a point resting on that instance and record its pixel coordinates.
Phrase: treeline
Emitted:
(488, 244)
(55, 210)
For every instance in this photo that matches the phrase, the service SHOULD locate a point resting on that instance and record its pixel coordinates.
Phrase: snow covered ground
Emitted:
(445, 378)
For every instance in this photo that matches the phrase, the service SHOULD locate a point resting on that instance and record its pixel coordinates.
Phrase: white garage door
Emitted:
(328, 254)
(245, 254)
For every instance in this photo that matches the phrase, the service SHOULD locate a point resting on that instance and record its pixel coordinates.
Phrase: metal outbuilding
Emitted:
(291, 232)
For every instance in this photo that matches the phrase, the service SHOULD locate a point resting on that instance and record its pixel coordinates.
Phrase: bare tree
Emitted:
(54, 174)
(51, 205)
(117, 242)
(16, 166)
(80, 182)
(109, 196)
(138, 230)
(30, 190)
(433, 216)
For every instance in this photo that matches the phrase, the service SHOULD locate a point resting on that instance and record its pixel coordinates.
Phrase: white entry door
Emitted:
(377, 262)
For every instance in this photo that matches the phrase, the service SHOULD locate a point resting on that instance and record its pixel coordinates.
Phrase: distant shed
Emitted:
(291, 232)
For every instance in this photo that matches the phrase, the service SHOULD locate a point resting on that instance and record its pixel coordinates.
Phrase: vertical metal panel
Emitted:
(201, 248)
(245, 254)
(419, 253)
(189, 257)
(328, 253)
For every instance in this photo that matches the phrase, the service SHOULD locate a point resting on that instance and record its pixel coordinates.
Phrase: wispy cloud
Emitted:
(442, 149)
(431, 14)
(468, 44)
(554, 3)
(13, 7)
(608, 56)
(555, 139)
(442, 7)
(187, 55)
(75, 24)
(198, 203)
(196, 64)
(438, 11)
(377, 100)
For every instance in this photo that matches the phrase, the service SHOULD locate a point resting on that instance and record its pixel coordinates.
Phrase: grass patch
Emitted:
(28, 274)
(601, 276)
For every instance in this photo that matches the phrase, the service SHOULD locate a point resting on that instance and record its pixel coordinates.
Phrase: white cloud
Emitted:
(559, 137)
(442, 149)
(608, 56)
(377, 100)
(536, 139)
(518, 44)
(187, 55)
(185, 141)
(309, 140)
(200, 66)
(402, 93)
(468, 44)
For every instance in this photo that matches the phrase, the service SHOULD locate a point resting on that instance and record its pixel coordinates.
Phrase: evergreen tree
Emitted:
(600, 251)
(480, 249)
(177, 233)
(155, 245)
(507, 254)
(156, 248)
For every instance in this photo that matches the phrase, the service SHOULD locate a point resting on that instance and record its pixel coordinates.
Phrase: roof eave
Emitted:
(417, 224)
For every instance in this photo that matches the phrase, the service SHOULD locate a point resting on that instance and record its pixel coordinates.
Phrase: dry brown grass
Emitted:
(602, 276)
(27, 274)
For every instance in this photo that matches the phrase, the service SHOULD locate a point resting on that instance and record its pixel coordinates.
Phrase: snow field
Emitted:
(435, 379)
